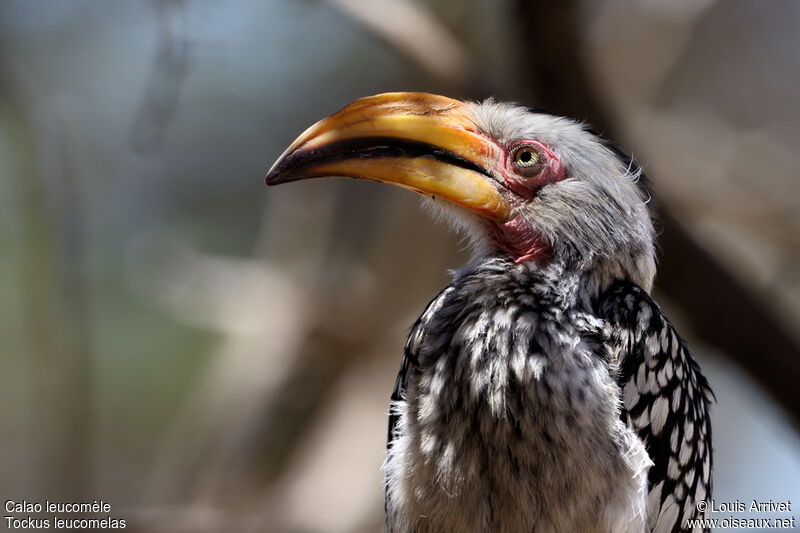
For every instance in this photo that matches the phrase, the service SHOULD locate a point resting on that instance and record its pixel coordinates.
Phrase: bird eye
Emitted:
(526, 157)
(527, 161)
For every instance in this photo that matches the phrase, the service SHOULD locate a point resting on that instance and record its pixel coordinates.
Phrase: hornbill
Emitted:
(543, 389)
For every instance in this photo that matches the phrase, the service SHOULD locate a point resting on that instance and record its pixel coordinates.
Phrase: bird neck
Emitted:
(553, 280)
(524, 245)
(519, 242)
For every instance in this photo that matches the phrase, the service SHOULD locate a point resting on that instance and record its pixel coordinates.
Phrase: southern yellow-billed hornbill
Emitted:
(543, 389)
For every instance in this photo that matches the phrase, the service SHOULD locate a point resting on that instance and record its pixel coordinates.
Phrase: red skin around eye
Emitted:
(515, 237)
(527, 187)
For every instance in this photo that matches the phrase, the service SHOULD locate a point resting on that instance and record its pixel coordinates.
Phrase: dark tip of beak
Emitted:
(273, 177)
(284, 170)
(280, 179)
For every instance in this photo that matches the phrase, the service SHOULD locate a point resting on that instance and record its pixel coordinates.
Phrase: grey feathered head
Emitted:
(533, 186)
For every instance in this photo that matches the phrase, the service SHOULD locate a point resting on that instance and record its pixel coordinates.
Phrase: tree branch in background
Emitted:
(54, 291)
(414, 32)
(170, 65)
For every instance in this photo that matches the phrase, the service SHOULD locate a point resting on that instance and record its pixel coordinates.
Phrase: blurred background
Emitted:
(209, 355)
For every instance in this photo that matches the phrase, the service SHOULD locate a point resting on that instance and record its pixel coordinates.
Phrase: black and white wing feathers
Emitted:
(415, 339)
(665, 400)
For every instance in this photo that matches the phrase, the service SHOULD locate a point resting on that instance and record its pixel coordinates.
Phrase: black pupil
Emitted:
(525, 157)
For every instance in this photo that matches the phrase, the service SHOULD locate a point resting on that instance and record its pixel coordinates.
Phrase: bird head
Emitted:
(533, 186)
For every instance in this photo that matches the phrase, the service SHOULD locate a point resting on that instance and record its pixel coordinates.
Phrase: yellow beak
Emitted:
(420, 141)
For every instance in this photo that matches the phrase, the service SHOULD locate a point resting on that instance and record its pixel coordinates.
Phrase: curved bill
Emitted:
(420, 141)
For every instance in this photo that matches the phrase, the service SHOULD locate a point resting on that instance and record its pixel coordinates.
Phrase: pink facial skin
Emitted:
(515, 237)
(519, 241)
(525, 186)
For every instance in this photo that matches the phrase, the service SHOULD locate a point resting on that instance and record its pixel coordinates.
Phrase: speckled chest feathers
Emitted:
(507, 414)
